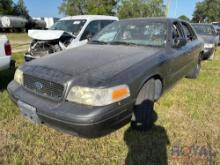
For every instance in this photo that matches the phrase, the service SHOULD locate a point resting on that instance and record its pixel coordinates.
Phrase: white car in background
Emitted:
(5, 53)
(68, 32)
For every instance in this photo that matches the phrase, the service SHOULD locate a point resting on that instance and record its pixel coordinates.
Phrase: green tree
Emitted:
(207, 11)
(141, 8)
(72, 7)
(6, 7)
(81, 7)
(185, 18)
(104, 7)
(20, 9)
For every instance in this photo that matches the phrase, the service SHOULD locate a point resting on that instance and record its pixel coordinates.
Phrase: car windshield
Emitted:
(204, 29)
(71, 26)
(139, 33)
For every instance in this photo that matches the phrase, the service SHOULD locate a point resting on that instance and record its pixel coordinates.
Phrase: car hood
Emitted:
(208, 38)
(95, 62)
(46, 35)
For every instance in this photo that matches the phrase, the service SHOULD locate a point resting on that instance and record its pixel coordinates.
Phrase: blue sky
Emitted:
(182, 7)
(39, 8)
(50, 7)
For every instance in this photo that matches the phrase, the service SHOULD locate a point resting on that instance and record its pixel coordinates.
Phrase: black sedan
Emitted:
(115, 79)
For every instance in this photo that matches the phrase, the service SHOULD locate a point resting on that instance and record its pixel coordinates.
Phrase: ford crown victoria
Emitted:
(114, 79)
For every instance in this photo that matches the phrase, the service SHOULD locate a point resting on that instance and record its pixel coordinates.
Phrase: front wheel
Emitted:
(143, 116)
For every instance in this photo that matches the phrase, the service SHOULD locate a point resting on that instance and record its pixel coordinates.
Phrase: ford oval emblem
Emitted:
(38, 85)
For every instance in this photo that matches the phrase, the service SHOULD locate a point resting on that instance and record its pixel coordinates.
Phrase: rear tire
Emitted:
(143, 116)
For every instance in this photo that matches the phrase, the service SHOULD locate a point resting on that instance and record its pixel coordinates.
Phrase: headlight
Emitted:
(209, 46)
(19, 76)
(98, 96)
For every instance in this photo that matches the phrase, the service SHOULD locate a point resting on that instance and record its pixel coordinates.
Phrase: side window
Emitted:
(190, 35)
(92, 28)
(176, 33)
(104, 23)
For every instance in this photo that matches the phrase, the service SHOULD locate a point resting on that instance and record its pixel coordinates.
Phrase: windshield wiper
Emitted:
(122, 43)
(97, 42)
(151, 45)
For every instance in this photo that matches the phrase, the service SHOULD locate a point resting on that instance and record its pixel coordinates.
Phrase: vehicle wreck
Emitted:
(48, 41)
(68, 32)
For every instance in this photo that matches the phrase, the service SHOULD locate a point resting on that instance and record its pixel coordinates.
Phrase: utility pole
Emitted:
(176, 3)
(168, 7)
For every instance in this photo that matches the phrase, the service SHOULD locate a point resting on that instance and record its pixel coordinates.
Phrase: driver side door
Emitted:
(178, 55)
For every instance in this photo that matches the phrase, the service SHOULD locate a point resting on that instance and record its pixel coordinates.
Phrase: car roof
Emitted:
(159, 19)
(90, 17)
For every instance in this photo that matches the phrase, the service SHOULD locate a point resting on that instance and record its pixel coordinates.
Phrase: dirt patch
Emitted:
(21, 47)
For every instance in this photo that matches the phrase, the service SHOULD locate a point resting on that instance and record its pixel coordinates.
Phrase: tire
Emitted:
(194, 73)
(143, 116)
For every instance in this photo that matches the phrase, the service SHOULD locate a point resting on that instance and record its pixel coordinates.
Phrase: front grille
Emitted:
(43, 87)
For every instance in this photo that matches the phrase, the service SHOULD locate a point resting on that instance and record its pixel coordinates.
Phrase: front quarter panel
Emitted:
(138, 74)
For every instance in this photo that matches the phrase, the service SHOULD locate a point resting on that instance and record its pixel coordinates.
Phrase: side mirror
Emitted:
(179, 42)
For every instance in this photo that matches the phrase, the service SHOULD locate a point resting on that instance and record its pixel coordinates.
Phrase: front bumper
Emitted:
(207, 53)
(81, 120)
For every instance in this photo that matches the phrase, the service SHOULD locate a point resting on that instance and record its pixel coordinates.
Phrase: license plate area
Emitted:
(29, 112)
